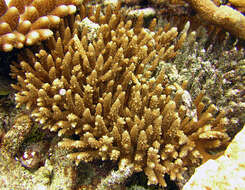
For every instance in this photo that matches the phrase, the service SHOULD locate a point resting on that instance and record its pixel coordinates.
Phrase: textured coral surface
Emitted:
(27, 22)
(109, 90)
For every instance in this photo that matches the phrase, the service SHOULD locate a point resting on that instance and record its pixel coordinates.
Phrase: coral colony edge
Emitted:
(94, 83)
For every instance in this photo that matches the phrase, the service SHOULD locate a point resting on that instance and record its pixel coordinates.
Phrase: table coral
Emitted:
(28, 22)
(110, 96)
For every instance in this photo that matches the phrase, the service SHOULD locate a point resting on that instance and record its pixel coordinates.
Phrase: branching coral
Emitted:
(110, 92)
(208, 67)
(223, 16)
(27, 22)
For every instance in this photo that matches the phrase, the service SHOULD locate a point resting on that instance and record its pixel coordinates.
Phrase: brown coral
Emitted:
(27, 22)
(110, 91)
(224, 16)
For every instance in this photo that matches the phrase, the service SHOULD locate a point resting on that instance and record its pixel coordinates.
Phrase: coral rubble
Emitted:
(109, 95)
(28, 22)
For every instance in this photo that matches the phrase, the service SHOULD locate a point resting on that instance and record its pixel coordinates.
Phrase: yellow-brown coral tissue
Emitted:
(111, 92)
(28, 22)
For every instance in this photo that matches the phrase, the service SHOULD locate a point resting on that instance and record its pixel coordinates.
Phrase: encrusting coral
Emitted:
(108, 93)
(27, 22)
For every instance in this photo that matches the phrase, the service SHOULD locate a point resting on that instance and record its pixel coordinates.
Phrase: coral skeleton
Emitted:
(107, 94)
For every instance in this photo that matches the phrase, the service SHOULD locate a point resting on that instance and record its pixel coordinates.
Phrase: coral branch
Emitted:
(29, 22)
(116, 178)
(223, 16)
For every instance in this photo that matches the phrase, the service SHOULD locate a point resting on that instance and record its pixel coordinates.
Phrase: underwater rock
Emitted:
(225, 173)
(13, 139)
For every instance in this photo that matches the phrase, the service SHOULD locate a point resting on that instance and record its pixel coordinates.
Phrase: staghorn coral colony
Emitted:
(103, 89)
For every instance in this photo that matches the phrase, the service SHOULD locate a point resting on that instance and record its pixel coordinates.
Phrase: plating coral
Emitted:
(111, 93)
